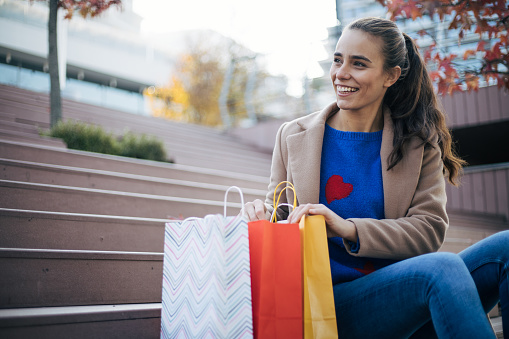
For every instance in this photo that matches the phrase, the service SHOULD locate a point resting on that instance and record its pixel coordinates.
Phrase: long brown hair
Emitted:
(414, 106)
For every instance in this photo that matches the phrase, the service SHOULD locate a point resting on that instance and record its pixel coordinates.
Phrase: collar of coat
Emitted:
(399, 184)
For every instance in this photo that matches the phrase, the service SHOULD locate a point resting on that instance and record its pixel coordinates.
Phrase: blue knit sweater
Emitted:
(351, 186)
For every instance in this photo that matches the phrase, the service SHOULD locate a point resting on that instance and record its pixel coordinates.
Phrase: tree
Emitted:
(193, 92)
(488, 19)
(90, 8)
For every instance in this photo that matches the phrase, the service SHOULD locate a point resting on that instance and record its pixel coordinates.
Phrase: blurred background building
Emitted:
(99, 55)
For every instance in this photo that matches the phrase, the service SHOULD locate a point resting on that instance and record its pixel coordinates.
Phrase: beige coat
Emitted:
(414, 190)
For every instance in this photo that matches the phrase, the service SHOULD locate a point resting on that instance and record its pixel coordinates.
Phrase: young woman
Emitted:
(373, 165)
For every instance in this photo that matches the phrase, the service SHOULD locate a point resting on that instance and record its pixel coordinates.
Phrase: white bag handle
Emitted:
(241, 198)
(281, 204)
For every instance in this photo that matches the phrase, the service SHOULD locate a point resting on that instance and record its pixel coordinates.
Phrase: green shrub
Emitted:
(81, 136)
(142, 147)
(84, 137)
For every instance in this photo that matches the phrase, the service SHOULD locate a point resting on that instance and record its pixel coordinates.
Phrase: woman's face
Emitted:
(357, 72)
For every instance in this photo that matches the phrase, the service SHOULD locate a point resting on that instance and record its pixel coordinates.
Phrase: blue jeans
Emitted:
(434, 295)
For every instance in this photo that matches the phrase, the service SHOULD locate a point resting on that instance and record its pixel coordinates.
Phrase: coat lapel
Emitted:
(305, 155)
(401, 181)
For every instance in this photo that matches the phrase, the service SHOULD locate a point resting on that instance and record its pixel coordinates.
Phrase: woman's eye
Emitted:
(360, 64)
(337, 60)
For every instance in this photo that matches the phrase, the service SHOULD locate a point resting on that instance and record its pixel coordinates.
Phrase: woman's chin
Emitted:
(342, 104)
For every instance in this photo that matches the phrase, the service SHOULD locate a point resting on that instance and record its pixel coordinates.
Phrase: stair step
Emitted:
(30, 138)
(90, 160)
(39, 103)
(7, 117)
(16, 126)
(44, 277)
(73, 231)
(183, 139)
(97, 321)
(44, 197)
(28, 171)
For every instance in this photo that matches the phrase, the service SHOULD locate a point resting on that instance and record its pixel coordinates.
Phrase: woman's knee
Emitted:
(442, 265)
(500, 242)
(494, 248)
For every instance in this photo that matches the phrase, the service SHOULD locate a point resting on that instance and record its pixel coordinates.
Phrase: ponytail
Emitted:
(415, 110)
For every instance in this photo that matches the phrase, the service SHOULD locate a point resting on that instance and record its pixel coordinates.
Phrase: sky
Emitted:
(289, 32)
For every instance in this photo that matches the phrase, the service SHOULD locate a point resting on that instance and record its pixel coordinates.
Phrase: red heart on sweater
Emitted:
(336, 189)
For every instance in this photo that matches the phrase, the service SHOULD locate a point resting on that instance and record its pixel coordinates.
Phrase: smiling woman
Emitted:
(360, 81)
(373, 164)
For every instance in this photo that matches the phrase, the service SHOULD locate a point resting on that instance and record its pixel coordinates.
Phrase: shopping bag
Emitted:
(319, 310)
(276, 279)
(206, 278)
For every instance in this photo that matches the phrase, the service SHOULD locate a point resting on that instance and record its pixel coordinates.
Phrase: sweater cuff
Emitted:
(351, 246)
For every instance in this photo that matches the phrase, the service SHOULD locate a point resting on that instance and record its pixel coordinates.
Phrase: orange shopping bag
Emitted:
(276, 278)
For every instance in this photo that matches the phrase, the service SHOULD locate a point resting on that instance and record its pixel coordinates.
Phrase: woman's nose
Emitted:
(342, 72)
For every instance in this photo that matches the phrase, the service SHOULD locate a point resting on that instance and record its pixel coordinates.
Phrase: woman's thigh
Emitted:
(399, 299)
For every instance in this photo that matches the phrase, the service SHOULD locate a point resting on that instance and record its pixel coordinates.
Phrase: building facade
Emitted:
(106, 60)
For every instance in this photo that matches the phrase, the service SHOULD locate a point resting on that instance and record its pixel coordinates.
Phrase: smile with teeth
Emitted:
(347, 89)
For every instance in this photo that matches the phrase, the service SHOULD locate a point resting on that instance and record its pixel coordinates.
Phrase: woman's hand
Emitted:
(336, 226)
(255, 210)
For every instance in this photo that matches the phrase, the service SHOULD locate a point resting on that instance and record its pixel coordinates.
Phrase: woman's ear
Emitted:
(392, 76)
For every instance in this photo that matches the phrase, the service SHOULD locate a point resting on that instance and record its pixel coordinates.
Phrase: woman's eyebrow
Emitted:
(359, 57)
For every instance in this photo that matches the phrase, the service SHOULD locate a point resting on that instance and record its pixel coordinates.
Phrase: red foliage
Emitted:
(86, 8)
(487, 18)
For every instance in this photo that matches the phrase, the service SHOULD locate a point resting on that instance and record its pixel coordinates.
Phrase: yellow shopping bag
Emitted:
(319, 311)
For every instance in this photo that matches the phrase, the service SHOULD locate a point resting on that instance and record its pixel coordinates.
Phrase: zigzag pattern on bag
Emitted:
(206, 279)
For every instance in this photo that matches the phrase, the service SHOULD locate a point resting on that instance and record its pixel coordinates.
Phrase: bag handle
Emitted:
(273, 215)
(241, 198)
(290, 187)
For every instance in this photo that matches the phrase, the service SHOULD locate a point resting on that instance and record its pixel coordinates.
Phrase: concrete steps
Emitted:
(79, 231)
(97, 321)
(19, 170)
(465, 229)
(7, 117)
(47, 278)
(8, 135)
(82, 234)
(186, 144)
(44, 197)
(16, 126)
(89, 160)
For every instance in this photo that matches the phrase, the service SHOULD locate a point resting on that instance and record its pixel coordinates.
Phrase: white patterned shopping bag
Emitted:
(206, 278)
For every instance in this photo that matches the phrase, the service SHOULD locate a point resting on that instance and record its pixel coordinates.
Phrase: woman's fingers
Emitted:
(255, 210)
(259, 209)
(298, 212)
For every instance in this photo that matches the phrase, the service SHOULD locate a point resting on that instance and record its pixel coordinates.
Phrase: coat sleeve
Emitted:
(278, 173)
(421, 230)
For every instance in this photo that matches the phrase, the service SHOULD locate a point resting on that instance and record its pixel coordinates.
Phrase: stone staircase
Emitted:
(81, 234)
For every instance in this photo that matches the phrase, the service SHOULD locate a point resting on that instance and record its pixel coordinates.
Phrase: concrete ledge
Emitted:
(101, 321)
(73, 231)
(7, 117)
(33, 196)
(59, 156)
(16, 126)
(41, 278)
(29, 138)
(27, 171)
(73, 314)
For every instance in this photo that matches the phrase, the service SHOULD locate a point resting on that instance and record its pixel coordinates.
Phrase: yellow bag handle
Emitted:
(292, 188)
